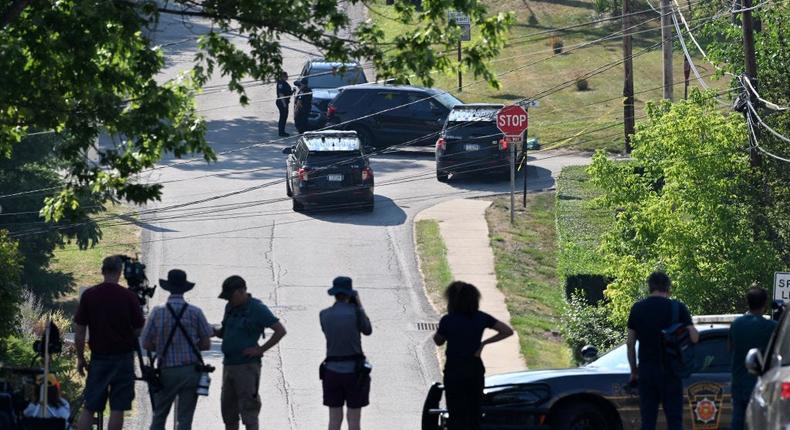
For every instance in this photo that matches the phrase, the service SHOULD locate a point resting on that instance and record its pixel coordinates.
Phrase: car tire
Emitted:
(288, 190)
(581, 416)
(297, 206)
(442, 176)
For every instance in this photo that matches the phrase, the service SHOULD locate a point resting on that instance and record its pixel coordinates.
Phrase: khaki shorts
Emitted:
(240, 393)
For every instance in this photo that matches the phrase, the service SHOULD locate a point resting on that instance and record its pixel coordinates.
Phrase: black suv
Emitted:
(324, 78)
(385, 115)
(470, 142)
(328, 167)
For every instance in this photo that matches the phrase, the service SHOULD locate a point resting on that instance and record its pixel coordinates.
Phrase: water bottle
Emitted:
(203, 384)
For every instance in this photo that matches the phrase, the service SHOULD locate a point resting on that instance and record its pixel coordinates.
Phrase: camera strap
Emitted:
(184, 331)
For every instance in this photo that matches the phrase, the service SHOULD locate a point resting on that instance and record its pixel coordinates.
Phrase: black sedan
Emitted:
(597, 396)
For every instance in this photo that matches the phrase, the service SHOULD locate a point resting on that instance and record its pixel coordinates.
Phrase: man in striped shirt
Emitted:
(176, 354)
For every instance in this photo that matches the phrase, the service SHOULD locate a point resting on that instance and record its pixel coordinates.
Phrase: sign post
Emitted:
(465, 23)
(526, 104)
(782, 286)
(512, 120)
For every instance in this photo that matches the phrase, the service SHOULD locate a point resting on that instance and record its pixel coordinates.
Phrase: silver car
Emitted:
(769, 407)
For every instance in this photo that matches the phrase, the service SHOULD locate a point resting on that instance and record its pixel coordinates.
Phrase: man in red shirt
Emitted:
(113, 315)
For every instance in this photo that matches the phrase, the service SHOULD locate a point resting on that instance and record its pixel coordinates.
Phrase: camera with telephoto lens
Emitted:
(205, 379)
(134, 273)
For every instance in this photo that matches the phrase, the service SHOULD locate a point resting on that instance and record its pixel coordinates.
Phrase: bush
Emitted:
(600, 6)
(589, 287)
(584, 324)
(556, 44)
(582, 84)
(10, 289)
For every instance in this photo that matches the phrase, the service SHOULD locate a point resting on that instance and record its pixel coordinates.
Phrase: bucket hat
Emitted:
(341, 285)
(176, 282)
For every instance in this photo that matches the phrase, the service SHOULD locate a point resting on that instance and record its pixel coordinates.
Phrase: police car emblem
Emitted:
(705, 400)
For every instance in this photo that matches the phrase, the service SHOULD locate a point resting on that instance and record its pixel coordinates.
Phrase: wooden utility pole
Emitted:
(751, 71)
(628, 85)
(666, 48)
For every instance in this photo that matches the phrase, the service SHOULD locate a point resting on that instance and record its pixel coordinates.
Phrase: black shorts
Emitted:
(345, 388)
(110, 376)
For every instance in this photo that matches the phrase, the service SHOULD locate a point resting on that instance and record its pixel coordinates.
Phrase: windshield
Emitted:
(447, 100)
(616, 359)
(332, 78)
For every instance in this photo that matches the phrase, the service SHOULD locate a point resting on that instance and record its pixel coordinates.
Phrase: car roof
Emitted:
(321, 63)
(473, 112)
(380, 86)
(331, 140)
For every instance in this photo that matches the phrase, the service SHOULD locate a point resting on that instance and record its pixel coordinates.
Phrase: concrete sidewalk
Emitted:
(465, 232)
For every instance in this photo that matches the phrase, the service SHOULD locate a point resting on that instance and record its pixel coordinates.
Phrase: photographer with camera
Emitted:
(177, 332)
(113, 315)
(345, 373)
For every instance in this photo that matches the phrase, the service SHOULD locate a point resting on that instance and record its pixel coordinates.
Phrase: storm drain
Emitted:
(427, 326)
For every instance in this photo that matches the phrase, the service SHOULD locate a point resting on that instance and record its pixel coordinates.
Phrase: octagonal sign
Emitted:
(512, 120)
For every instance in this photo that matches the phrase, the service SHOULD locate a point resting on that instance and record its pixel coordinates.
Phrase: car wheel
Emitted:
(288, 190)
(298, 207)
(582, 416)
(442, 176)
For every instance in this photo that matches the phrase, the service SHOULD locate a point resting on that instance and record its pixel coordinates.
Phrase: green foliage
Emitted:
(10, 289)
(584, 324)
(84, 68)
(683, 206)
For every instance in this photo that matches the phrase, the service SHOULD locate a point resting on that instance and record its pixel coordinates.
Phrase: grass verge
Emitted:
(432, 254)
(85, 264)
(525, 259)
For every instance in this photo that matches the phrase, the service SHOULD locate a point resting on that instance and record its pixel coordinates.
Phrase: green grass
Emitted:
(526, 258)
(580, 223)
(85, 265)
(432, 254)
(567, 118)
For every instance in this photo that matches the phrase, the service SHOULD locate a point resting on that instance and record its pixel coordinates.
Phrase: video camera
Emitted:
(134, 273)
(55, 343)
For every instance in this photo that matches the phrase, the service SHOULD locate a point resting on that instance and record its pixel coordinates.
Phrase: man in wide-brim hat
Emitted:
(177, 354)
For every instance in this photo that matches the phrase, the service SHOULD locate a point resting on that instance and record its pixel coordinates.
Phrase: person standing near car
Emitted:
(242, 326)
(303, 105)
(462, 329)
(751, 330)
(345, 373)
(647, 319)
(114, 317)
(284, 92)
(177, 331)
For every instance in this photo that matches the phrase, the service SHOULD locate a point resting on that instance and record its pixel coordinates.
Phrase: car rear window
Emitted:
(472, 128)
(325, 77)
(448, 100)
(326, 158)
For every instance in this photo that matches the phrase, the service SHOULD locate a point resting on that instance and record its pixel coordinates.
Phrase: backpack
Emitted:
(678, 350)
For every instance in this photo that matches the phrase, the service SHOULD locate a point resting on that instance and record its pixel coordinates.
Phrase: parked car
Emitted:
(386, 115)
(324, 78)
(769, 407)
(470, 142)
(329, 168)
(597, 396)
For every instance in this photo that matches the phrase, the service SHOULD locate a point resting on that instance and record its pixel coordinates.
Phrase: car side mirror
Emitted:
(297, 83)
(589, 354)
(754, 362)
(288, 150)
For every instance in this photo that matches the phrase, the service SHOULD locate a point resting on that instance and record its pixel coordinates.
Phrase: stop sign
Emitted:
(512, 120)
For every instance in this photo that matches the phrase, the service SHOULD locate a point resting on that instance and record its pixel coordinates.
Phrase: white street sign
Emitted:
(458, 17)
(782, 286)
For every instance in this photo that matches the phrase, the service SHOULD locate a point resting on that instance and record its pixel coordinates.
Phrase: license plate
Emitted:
(472, 147)
(334, 178)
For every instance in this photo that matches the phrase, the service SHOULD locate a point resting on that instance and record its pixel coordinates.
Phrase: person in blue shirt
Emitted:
(242, 326)
(752, 330)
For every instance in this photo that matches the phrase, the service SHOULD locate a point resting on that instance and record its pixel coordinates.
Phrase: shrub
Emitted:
(556, 44)
(10, 289)
(584, 324)
(582, 84)
(600, 6)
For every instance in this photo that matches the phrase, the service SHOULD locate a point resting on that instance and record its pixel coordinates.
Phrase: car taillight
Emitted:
(303, 174)
(441, 144)
(503, 144)
(367, 173)
(330, 110)
(785, 390)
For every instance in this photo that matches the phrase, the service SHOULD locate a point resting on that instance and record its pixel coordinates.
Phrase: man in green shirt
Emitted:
(242, 326)
(749, 331)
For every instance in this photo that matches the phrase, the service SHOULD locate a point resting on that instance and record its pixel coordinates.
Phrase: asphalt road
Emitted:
(289, 259)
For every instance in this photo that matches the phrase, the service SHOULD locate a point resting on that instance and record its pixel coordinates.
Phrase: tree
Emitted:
(683, 206)
(10, 289)
(81, 68)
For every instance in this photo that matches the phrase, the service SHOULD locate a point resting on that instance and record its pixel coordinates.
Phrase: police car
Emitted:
(597, 396)
(329, 168)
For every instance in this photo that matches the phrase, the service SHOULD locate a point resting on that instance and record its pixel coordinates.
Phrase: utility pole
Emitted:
(751, 71)
(460, 79)
(628, 85)
(666, 48)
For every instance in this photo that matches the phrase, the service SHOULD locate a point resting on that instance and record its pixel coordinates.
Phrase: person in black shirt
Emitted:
(645, 322)
(284, 92)
(302, 106)
(462, 329)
